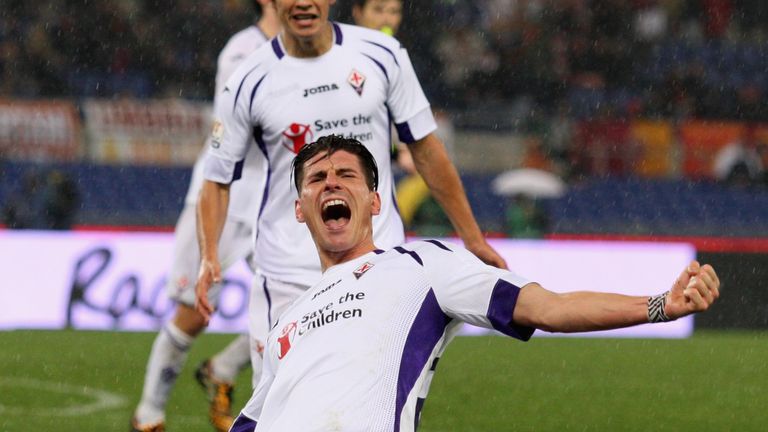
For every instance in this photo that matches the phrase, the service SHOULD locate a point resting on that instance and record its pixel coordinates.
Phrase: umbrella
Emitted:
(533, 183)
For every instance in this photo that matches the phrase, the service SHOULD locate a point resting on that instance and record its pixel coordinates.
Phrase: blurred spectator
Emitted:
(42, 202)
(524, 218)
(61, 199)
(25, 208)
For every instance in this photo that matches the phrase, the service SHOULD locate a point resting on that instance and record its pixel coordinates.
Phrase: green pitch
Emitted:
(715, 381)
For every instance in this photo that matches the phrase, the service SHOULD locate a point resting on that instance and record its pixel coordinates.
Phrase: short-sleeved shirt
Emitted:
(357, 351)
(355, 89)
(244, 203)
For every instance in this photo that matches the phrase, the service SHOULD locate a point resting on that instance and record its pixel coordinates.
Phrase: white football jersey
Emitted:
(357, 351)
(245, 195)
(353, 90)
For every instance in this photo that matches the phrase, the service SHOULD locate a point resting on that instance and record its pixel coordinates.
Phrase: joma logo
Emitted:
(320, 89)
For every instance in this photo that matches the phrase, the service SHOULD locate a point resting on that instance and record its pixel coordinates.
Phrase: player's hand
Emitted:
(695, 290)
(210, 273)
(487, 254)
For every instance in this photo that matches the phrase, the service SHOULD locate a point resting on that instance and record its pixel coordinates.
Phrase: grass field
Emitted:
(716, 381)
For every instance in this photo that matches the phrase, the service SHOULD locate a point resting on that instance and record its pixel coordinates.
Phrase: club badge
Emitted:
(362, 269)
(357, 81)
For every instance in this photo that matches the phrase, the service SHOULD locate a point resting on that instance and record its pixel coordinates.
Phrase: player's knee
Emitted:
(189, 320)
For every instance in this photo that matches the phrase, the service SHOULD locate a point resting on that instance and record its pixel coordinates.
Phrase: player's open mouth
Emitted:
(336, 213)
(304, 19)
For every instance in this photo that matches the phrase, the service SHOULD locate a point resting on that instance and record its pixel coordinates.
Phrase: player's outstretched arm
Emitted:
(695, 290)
(211, 216)
(434, 165)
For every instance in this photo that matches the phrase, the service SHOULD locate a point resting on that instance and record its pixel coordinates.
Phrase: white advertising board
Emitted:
(116, 280)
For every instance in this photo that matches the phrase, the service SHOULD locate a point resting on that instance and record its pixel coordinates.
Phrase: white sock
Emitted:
(231, 360)
(169, 353)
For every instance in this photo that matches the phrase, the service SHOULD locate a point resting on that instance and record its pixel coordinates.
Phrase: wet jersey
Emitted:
(357, 351)
(365, 80)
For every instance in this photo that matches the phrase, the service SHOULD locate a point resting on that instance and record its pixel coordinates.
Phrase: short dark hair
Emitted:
(331, 144)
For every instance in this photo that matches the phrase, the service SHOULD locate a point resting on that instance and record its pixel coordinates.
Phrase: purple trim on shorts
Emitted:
(269, 304)
(426, 331)
(417, 416)
(243, 424)
(500, 309)
(337, 32)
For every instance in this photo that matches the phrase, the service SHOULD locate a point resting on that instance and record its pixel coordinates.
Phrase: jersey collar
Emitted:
(279, 49)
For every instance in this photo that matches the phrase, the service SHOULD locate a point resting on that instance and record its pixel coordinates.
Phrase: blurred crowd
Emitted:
(535, 67)
(702, 58)
(139, 48)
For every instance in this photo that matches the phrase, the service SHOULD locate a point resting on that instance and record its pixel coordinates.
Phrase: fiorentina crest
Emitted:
(362, 269)
(357, 81)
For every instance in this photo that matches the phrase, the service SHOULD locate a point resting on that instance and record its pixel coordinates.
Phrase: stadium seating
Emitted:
(153, 196)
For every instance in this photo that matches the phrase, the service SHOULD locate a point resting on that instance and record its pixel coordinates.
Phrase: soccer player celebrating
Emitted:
(317, 77)
(169, 351)
(357, 351)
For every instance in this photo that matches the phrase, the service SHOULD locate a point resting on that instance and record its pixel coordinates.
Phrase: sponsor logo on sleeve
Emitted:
(217, 133)
(357, 81)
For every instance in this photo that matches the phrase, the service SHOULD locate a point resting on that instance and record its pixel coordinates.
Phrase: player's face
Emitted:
(303, 18)
(378, 14)
(336, 203)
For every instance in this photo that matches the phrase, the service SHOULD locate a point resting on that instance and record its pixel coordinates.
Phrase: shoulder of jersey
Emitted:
(363, 34)
(256, 64)
(245, 39)
(426, 248)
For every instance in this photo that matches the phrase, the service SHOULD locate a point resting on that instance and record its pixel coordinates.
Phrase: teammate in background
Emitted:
(169, 351)
(411, 191)
(318, 77)
(382, 15)
(357, 351)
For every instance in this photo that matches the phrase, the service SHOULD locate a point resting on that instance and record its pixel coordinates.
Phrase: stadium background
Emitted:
(104, 105)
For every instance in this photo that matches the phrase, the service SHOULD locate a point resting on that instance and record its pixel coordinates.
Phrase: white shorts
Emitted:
(235, 244)
(269, 299)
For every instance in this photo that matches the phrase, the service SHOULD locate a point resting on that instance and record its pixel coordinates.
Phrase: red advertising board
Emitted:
(39, 130)
(165, 132)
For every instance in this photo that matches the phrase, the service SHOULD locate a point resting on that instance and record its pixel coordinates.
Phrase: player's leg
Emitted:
(217, 375)
(167, 358)
(169, 350)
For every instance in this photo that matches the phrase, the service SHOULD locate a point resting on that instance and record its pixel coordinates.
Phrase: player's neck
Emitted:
(329, 259)
(308, 47)
(269, 23)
